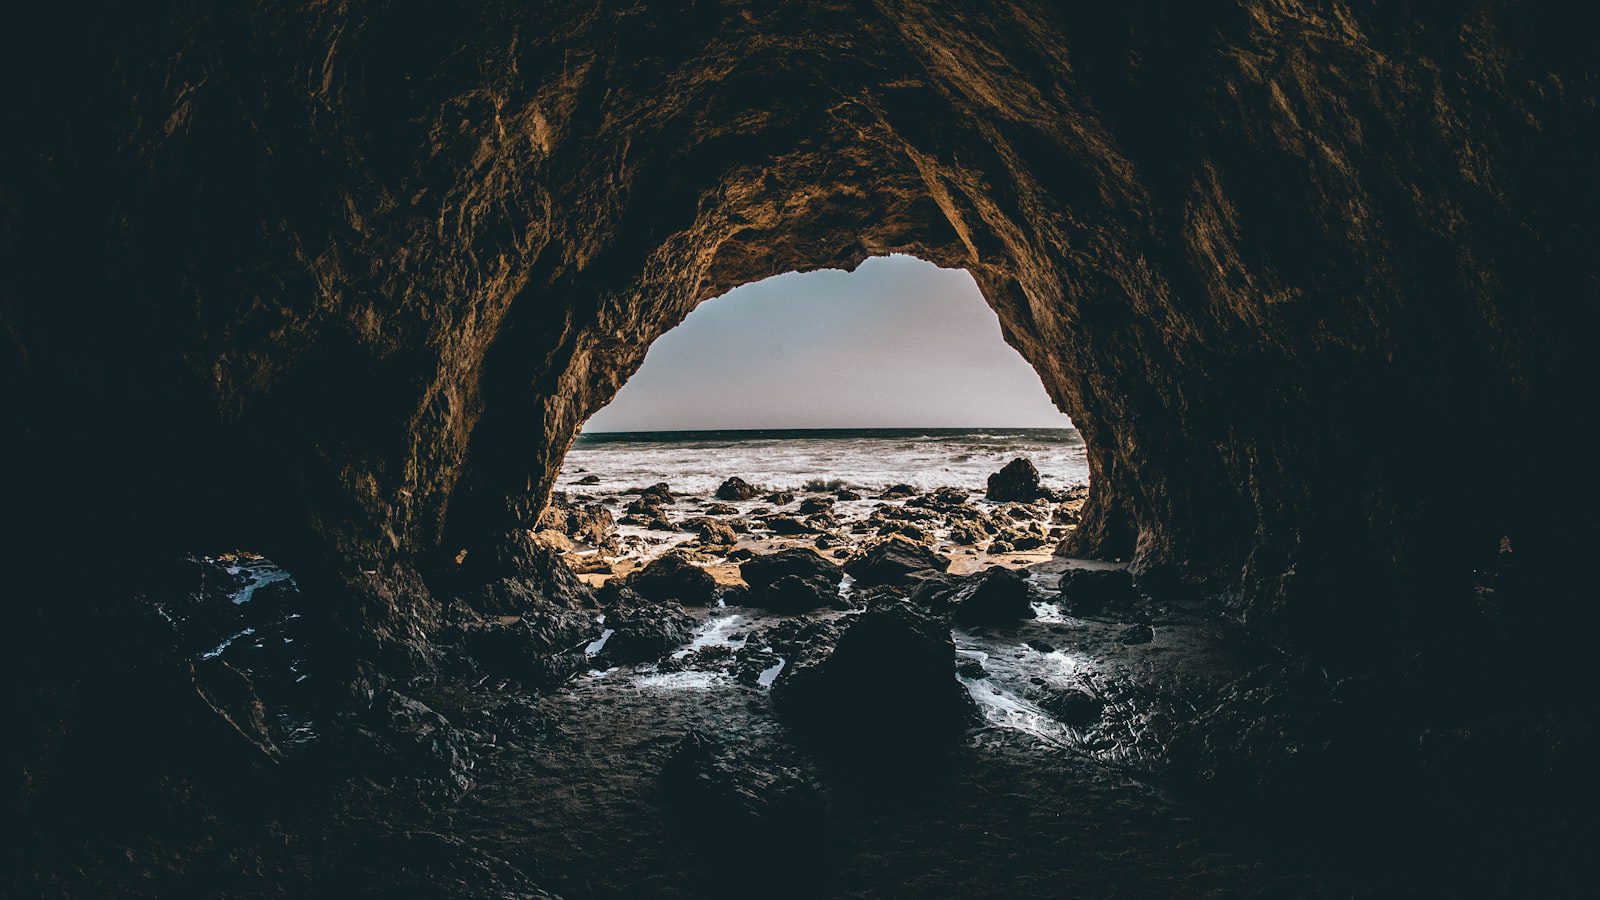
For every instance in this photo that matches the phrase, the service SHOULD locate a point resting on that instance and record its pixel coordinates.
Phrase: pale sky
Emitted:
(899, 343)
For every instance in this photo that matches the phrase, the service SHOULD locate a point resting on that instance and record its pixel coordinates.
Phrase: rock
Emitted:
(793, 594)
(967, 535)
(898, 491)
(1019, 480)
(518, 576)
(737, 488)
(646, 633)
(996, 596)
(1137, 634)
(788, 525)
(721, 509)
(780, 498)
(716, 533)
(889, 561)
(968, 667)
(943, 498)
(672, 576)
(1072, 706)
(539, 649)
(829, 542)
(889, 682)
(1090, 592)
(409, 740)
(845, 494)
(589, 479)
(1000, 547)
(758, 804)
(761, 571)
(815, 505)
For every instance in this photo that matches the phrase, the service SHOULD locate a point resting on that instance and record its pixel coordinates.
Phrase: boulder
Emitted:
(789, 525)
(815, 505)
(717, 533)
(996, 596)
(761, 571)
(889, 683)
(673, 577)
(889, 561)
(1090, 592)
(780, 498)
(737, 488)
(898, 492)
(645, 633)
(721, 509)
(1019, 480)
(845, 494)
(794, 594)
(589, 479)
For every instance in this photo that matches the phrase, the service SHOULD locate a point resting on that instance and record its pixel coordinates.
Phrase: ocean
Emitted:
(696, 462)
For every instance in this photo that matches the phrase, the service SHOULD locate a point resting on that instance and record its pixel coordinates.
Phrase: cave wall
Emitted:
(340, 281)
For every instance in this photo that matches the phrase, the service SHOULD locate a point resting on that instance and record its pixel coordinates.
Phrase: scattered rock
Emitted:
(673, 577)
(780, 498)
(721, 509)
(761, 571)
(845, 494)
(737, 488)
(889, 561)
(788, 525)
(898, 492)
(1019, 480)
(716, 533)
(815, 505)
(589, 479)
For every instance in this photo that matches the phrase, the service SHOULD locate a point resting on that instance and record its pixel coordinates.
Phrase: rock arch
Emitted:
(341, 282)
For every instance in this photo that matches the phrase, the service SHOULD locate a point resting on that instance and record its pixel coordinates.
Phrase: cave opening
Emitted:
(804, 410)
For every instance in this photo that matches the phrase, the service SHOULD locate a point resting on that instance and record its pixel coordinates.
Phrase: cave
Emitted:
(339, 284)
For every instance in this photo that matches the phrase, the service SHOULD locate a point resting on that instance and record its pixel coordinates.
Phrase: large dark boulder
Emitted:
(737, 488)
(890, 561)
(1019, 480)
(673, 577)
(996, 596)
(889, 682)
(763, 570)
(793, 594)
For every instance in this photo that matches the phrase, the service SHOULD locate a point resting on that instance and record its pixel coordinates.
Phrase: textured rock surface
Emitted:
(340, 283)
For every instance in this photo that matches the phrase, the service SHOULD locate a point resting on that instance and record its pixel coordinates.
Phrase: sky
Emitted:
(899, 343)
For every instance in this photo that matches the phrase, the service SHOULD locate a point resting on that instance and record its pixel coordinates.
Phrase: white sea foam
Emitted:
(696, 462)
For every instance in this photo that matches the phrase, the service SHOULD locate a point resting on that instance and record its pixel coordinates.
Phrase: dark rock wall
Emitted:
(340, 281)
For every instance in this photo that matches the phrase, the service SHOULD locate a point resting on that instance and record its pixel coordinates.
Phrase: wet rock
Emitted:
(646, 633)
(967, 667)
(996, 596)
(716, 533)
(845, 494)
(737, 488)
(780, 498)
(788, 525)
(898, 492)
(590, 524)
(1136, 634)
(967, 535)
(518, 576)
(589, 480)
(754, 802)
(761, 571)
(673, 577)
(889, 561)
(794, 594)
(407, 740)
(1000, 547)
(721, 509)
(1072, 706)
(829, 542)
(943, 498)
(1018, 480)
(539, 649)
(1094, 592)
(815, 505)
(888, 682)
(734, 595)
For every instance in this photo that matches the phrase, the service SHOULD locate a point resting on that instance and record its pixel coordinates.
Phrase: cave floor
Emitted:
(1026, 805)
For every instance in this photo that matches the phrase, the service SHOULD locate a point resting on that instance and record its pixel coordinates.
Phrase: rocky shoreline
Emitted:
(1013, 521)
